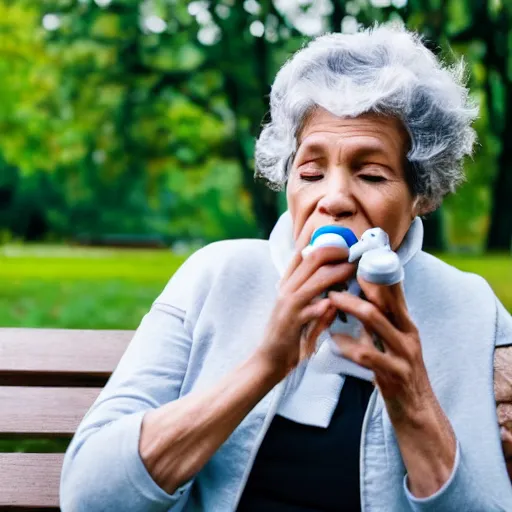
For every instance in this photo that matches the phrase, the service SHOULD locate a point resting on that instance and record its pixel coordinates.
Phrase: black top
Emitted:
(311, 469)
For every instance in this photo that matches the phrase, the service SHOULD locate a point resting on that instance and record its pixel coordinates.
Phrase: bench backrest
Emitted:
(48, 380)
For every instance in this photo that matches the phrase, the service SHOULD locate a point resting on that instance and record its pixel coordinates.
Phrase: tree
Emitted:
(151, 109)
(490, 24)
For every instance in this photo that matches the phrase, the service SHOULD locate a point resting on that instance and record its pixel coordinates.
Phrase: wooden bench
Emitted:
(49, 379)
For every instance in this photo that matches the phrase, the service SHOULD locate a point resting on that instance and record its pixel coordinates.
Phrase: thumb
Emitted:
(390, 299)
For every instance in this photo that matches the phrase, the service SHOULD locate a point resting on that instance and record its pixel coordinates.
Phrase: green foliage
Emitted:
(119, 125)
(112, 114)
(29, 81)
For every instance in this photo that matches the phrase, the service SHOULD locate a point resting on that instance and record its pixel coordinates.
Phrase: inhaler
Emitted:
(378, 264)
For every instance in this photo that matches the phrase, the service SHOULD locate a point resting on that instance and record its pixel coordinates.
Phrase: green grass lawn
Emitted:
(112, 289)
(80, 288)
(495, 268)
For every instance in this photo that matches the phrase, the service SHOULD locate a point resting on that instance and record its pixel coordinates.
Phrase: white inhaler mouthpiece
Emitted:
(330, 236)
(378, 264)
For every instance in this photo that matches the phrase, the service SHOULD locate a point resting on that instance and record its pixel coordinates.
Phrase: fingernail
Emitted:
(306, 251)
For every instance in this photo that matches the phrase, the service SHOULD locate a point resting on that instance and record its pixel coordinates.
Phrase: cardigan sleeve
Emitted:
(103, 470)
(459, 492)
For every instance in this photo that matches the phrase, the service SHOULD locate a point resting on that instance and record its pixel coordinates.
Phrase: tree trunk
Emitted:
(265, 201)
(265, 204)
(338, 12)
(500, 231)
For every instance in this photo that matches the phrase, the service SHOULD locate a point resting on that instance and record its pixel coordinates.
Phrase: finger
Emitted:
(390, 299)
(372, 318)
(307, 318)
(317, 327)
(314, 311)
(294, 263)
(325, 279)
(368, 356)
(371, 339)
(311, 263)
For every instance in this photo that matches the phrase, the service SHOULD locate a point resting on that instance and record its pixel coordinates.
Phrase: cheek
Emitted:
(293, 205)
(300, 202)
(392, 210)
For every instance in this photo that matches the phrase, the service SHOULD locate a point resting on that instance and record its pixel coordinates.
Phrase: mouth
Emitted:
(343, 225)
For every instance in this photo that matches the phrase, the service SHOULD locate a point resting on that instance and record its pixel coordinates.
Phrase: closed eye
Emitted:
(372, 178)
(311, 177)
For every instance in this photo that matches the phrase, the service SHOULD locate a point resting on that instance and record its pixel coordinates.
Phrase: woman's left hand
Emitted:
(390, 346)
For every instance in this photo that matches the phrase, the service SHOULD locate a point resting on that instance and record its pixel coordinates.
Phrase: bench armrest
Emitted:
(503, 395)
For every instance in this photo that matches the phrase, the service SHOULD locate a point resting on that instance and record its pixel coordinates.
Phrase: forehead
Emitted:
(371, 132)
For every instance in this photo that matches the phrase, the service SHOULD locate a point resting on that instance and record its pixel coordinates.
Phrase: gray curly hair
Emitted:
(385, 70)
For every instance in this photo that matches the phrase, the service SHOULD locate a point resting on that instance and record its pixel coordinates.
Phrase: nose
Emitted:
(338, 201)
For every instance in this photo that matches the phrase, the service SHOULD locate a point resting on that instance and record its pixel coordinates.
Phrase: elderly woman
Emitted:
(208, 409)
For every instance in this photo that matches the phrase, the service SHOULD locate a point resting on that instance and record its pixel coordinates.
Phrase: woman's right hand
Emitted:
(299, 315)
(180, 437)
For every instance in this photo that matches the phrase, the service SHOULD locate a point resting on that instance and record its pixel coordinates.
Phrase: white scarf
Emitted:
(313, 388)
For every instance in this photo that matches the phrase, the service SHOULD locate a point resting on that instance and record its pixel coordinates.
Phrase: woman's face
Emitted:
(350, 172)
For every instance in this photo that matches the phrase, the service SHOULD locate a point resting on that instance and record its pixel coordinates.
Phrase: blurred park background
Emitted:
(131, 123)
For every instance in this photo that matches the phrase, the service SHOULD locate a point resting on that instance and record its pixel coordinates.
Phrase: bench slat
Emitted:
(43, 411)
(30, 479)
(29, 354)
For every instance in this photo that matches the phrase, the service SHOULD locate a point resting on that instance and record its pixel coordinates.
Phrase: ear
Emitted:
(423, 206)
